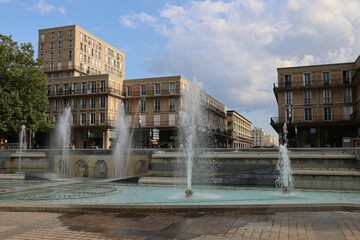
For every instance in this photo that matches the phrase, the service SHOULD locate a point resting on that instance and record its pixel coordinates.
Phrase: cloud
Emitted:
(134, 20)
(235, 47)
(43, 7)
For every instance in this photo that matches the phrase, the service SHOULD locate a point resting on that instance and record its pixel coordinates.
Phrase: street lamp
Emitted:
(140, 130)
(289, 120)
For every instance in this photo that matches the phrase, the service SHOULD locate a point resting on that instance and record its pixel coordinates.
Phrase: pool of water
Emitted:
(106, 193)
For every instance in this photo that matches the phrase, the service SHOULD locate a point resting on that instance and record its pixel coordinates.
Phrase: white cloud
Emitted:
(235, 47)
(43, 7)
(134, 20)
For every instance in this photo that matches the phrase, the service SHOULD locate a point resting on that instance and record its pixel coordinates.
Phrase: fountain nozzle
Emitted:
(189, 193)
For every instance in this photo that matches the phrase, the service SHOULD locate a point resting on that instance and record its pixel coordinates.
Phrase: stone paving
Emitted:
(310, 225)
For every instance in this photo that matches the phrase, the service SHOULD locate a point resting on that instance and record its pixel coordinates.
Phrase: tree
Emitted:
(23, 88)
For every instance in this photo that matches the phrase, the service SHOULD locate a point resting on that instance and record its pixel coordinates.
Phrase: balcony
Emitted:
(310, 84)
(314, 119)
(151, 93)
(89, 91)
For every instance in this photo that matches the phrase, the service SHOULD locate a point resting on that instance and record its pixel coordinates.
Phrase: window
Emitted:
(143, 105)
(102, 118)
(307, 97)
(93, 87)
(52, 45)
(66, 102)
(288, 98)
(66, 89)
(142, 89)
(326, 78)
(59, 34)
(92, 118)
(60, 45)
(102, 102)
(83, 87)
(288, 80)
(42, 47)
(83, 119)
(70, 55)
(42, 37)
(327, 95)
(56, 105)
(83, 103)
(52, 35)
(128, 91)
(307, 80)
(327, 113)
(172, 88)
(74, 119)
(92, 103)
(289, 114)
(59, 55)
(74, 88)
(57, 89)
(308, 114)
(347, 95)
(51, 56)
(157, 105)
(74, 103)
(102, 86)
(172, 103)
(71, 33)
(128, 106)
(157, 88)
(346, 76)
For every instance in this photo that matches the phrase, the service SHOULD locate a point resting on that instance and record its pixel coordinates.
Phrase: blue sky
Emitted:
(233, 46)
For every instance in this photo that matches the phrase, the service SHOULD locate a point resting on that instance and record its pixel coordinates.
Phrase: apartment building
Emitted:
(239, 128)
(152, 106)
(86, 73)
(320, 104)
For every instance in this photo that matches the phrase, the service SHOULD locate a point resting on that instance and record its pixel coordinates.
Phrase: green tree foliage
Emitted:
(23, 88)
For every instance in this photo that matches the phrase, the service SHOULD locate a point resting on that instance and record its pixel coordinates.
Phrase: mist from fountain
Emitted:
(22, 137)
(285, 179)
(64, 136)
(122, 145)
(191, 121)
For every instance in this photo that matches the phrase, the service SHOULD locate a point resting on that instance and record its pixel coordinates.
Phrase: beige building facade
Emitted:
(319, 103)
(240, 130)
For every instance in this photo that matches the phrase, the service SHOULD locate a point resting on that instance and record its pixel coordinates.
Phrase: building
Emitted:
(154, 104)
(86, 73)
(320, 104)
(239, 129)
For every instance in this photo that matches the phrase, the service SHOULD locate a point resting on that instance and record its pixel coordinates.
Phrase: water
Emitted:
(64, 137)
(100, 192)
(191, 123)
(285, 179)
(22, 139)
(122, 145)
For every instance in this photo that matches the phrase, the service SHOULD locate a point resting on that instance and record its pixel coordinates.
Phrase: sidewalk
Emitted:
(327, 225)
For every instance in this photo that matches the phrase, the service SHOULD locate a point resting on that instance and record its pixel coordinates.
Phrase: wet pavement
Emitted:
(310, 225)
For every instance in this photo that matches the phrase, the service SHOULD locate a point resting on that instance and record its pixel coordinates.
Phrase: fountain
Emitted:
(122, 144)
(22, 136)
(285, 179)
(191, 121)
(64, 136)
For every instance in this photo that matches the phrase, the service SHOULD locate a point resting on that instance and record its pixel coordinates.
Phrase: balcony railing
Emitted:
(134, 124)
(313, 119)
(312, 83)
(151, 93)
(68, 92)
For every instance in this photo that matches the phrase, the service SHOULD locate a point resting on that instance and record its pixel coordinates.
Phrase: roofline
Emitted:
(318, 65)
(239, 115)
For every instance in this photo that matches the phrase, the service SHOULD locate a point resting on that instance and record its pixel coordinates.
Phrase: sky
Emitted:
(233, 47)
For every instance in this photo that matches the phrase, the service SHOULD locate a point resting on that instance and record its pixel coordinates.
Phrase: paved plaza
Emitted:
(310, 225)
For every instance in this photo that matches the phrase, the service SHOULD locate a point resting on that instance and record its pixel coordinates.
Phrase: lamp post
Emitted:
(289, 120)
(140, 130)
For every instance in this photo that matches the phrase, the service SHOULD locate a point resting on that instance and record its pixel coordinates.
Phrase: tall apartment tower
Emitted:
(86, 73)
(239, 129)
(320, 104)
